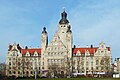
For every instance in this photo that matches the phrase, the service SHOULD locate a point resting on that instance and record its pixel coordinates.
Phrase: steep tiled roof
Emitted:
(31, 51)
(91, 50)
(82, 50)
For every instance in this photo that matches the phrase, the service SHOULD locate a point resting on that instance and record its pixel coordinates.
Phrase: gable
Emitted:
(56, 42)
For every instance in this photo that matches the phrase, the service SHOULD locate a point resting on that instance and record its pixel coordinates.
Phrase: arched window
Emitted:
(87, 63)
(48, 53)
(51, 53)
(14, 72)
(102, 62)
(9, 63)
(27, 72)
(31, 72)
(97, 62)
(62, 53)
(9, 72)
(18, 72)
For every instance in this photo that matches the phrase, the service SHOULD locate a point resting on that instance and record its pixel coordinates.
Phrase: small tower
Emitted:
(44, 44)
(65, 33)
(44, 39)
(69, 41)
(63, 27)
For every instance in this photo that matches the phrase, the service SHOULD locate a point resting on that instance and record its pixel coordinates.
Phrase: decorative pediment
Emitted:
(102, 46)
(27, 53)
(87, 52)
(78, 53)
(35, 53)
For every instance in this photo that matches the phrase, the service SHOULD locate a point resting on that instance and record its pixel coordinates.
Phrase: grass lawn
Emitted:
(72, 79)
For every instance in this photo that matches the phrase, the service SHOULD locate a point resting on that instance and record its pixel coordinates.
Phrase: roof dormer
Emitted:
(27, 54)
(78, 53)
(35, 53)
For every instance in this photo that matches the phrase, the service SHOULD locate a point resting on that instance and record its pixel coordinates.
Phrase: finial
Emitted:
(63, 9)
(44, 29)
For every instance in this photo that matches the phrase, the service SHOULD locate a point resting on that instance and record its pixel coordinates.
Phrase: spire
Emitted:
(44, 30)
(64, 18)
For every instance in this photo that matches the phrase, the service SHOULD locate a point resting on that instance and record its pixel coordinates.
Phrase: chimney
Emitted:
(74, 46)
(26, 47)
(91, 46)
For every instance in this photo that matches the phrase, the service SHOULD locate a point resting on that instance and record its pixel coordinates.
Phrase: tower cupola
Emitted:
(69, 29)
(64, 18)
(44, 30)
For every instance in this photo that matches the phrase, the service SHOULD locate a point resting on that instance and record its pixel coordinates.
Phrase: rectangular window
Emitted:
(97, 68)
(91, 57)
(91, 63)
(82, 62)
(97, 62)
(9, 67)
(9, 72)
(82, 58)
(31, 72)
(9, 63)
(43, 63)
(13, 63)
(87, 64)
(9, 59)
(101, 68)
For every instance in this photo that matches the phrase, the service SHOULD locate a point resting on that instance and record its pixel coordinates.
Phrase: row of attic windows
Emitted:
(34, 54)
(27, 54)
(52, 53)
(83, 54)
(55, 48)
(55, 61)
(79, 53)
(87, 53)
(25, 72)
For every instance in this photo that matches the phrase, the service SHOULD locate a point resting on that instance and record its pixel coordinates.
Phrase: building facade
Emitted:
(2, 69)
(58, 57)
(117, 65)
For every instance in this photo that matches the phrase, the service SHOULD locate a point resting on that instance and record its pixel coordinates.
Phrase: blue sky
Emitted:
(92, 21)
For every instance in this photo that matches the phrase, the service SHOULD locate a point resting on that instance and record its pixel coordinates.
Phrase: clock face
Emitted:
(102, 46)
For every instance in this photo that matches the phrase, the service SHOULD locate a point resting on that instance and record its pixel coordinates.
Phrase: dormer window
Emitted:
(102, 51)
(35, 54)
(27, 54)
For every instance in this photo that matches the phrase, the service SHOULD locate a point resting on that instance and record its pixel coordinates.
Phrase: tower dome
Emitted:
(64, 18)
(44, 30)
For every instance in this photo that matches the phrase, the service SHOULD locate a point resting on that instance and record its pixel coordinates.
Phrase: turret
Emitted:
(44, 39)
(69, 41)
